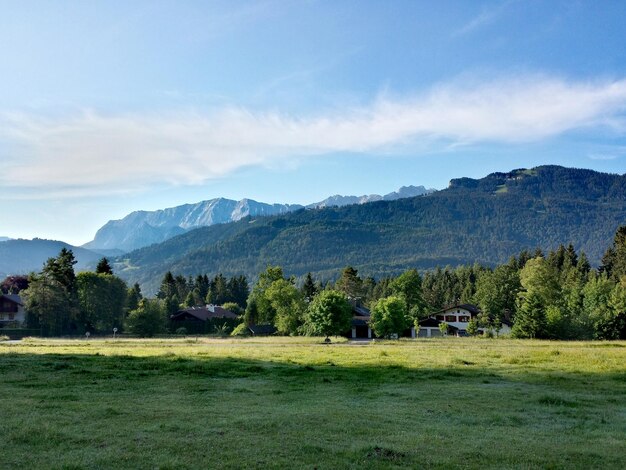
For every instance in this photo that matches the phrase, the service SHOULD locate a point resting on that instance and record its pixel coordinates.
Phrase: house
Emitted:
(203, 313)
(457, 317)
(204, 319)
(12, 313)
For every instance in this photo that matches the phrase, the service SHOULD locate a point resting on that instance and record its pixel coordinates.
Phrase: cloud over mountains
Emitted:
(90, 151)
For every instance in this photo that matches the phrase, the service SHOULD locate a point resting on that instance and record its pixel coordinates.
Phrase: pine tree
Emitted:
(350, 283)
(133, 297)
(104, 267)
(530, 320)
(309, 289)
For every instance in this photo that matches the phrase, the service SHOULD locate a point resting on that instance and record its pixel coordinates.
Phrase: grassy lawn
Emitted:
(295, 403)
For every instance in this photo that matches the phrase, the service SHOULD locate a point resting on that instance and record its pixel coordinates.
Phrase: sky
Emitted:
(107, 107)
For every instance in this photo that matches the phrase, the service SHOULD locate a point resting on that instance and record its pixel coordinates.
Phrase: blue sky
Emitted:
(114, 106)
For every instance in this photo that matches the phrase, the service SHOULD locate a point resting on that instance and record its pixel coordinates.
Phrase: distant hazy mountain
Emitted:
(403, 192)
(23, 256)
(144, 228)
(4, 239)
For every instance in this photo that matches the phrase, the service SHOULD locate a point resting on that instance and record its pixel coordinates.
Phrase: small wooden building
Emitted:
(262, 330)
(12, 313)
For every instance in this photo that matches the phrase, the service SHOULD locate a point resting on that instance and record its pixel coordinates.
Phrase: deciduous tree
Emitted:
(328, 314)
(389, 316)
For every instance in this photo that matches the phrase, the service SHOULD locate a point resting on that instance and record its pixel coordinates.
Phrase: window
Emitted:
(441, 318)
(11, 316)
(450, 318)
(464, 318)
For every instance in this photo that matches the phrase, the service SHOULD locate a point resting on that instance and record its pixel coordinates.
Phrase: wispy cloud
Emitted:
(608, 153)
(484, 18)
(89, 152)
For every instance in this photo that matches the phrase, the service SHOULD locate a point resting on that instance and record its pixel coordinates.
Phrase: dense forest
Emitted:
(481, 221)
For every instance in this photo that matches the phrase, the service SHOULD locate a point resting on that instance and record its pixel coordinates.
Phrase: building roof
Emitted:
(360, 311)
(434, 323)
(360, 320)
(13, 298)
(202, 313)
(262, 329)
(431, 322)
(473, 309)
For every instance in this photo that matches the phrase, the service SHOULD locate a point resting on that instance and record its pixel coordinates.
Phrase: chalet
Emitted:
(457, 317)
(12, 311)
(202, 314)
(203, 319)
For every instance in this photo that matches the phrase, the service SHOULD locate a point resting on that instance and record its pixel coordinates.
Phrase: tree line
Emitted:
(555, 295)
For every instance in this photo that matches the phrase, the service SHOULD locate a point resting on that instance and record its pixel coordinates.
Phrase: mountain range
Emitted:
(23, 256)
(483, 220)
(143, 228)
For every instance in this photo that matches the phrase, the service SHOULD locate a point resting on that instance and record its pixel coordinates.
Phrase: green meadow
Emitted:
(297, 403)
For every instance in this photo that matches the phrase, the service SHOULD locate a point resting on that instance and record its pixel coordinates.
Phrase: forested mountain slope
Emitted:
(485, 220)
(143, 228)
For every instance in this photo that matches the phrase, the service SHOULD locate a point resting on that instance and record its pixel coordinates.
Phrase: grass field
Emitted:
(294, 403)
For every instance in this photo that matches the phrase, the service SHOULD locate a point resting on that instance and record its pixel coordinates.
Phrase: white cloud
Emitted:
(88, 152)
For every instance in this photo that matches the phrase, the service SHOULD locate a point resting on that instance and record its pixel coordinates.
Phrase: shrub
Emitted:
(182, 331)
(148, 319)
(4, 338)
(241, 330)
(222, 330)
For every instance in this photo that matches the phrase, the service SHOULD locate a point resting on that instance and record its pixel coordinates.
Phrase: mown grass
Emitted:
(295, 403)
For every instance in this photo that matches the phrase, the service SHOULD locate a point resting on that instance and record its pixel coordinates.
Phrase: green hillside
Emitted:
(485, 220)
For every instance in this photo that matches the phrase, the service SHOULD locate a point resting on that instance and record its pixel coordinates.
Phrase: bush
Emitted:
(182, 331)
(241, 330)
(148, 319)
(222, 330)
(4, 338)
(20, 333)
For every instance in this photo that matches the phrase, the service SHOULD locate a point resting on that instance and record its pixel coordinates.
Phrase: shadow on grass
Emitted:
(126, 366)
(166, 411)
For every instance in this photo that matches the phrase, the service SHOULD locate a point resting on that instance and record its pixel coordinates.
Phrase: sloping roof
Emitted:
(360, 315)
(360, 320)
(202, 313)
(434, 323)
(431, 322)
(360, 311)
(473, 309)
(262, 329)
(13, 298)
